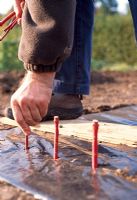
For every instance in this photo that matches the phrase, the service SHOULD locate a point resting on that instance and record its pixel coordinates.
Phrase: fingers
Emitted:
(42, 107)
(19, 117)
(26, 112)
(30, 111)
(22, 5)
(18, 8)
(35, 113)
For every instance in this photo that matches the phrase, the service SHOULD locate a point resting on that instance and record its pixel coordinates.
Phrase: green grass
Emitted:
(122, 67)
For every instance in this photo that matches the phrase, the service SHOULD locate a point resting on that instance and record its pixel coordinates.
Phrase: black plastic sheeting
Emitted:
(125, 115)
(70, 177)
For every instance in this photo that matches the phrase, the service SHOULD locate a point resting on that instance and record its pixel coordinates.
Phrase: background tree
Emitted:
(108, 6)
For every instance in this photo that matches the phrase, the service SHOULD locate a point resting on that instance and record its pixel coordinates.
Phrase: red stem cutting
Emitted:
(56, 136)
(95, 145)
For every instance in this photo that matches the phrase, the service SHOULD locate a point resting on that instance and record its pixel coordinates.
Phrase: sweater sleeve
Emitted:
(47, 32)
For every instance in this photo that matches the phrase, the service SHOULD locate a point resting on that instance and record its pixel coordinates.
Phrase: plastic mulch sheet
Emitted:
(70, 176)
(126, 115)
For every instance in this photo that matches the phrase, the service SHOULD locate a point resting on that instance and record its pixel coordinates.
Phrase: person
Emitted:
(57, 92)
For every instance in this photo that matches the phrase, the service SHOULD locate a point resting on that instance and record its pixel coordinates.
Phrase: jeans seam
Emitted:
(77, 50)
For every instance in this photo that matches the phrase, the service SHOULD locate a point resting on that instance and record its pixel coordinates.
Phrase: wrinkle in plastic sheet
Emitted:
(70, 176)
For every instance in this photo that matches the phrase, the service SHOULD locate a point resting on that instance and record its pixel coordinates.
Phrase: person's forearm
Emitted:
(46, 78)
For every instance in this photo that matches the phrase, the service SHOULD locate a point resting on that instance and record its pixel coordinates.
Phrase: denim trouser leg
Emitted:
(133, 7)
(74, 76)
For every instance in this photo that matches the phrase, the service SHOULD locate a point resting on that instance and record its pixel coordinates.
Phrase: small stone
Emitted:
(118, 171)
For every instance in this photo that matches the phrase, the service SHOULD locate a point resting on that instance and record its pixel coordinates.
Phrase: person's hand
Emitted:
(18, 9)
(30, 102)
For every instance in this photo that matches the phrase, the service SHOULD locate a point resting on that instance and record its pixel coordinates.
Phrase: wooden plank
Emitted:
(81, 128)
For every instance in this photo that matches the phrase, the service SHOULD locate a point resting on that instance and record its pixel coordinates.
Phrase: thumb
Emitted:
(20, 15)
(17, 8)
(22, 5)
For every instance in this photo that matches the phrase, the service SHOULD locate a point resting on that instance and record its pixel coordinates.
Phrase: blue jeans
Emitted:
(133, 8)
(74, 77)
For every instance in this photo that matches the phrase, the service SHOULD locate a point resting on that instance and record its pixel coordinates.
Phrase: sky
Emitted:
(5, 5)
(122, 5)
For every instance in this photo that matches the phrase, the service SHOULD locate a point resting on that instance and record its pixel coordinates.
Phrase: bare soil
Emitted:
(109, 90)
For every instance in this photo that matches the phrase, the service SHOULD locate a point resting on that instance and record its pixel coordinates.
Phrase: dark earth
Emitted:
(109, 90)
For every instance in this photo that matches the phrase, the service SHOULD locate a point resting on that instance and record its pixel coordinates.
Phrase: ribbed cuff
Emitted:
(42, 68)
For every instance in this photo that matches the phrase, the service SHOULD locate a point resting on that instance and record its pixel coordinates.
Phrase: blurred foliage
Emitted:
(8, 50)
(113, 40)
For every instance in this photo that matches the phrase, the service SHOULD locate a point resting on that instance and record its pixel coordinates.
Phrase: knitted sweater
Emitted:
(47, 31)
